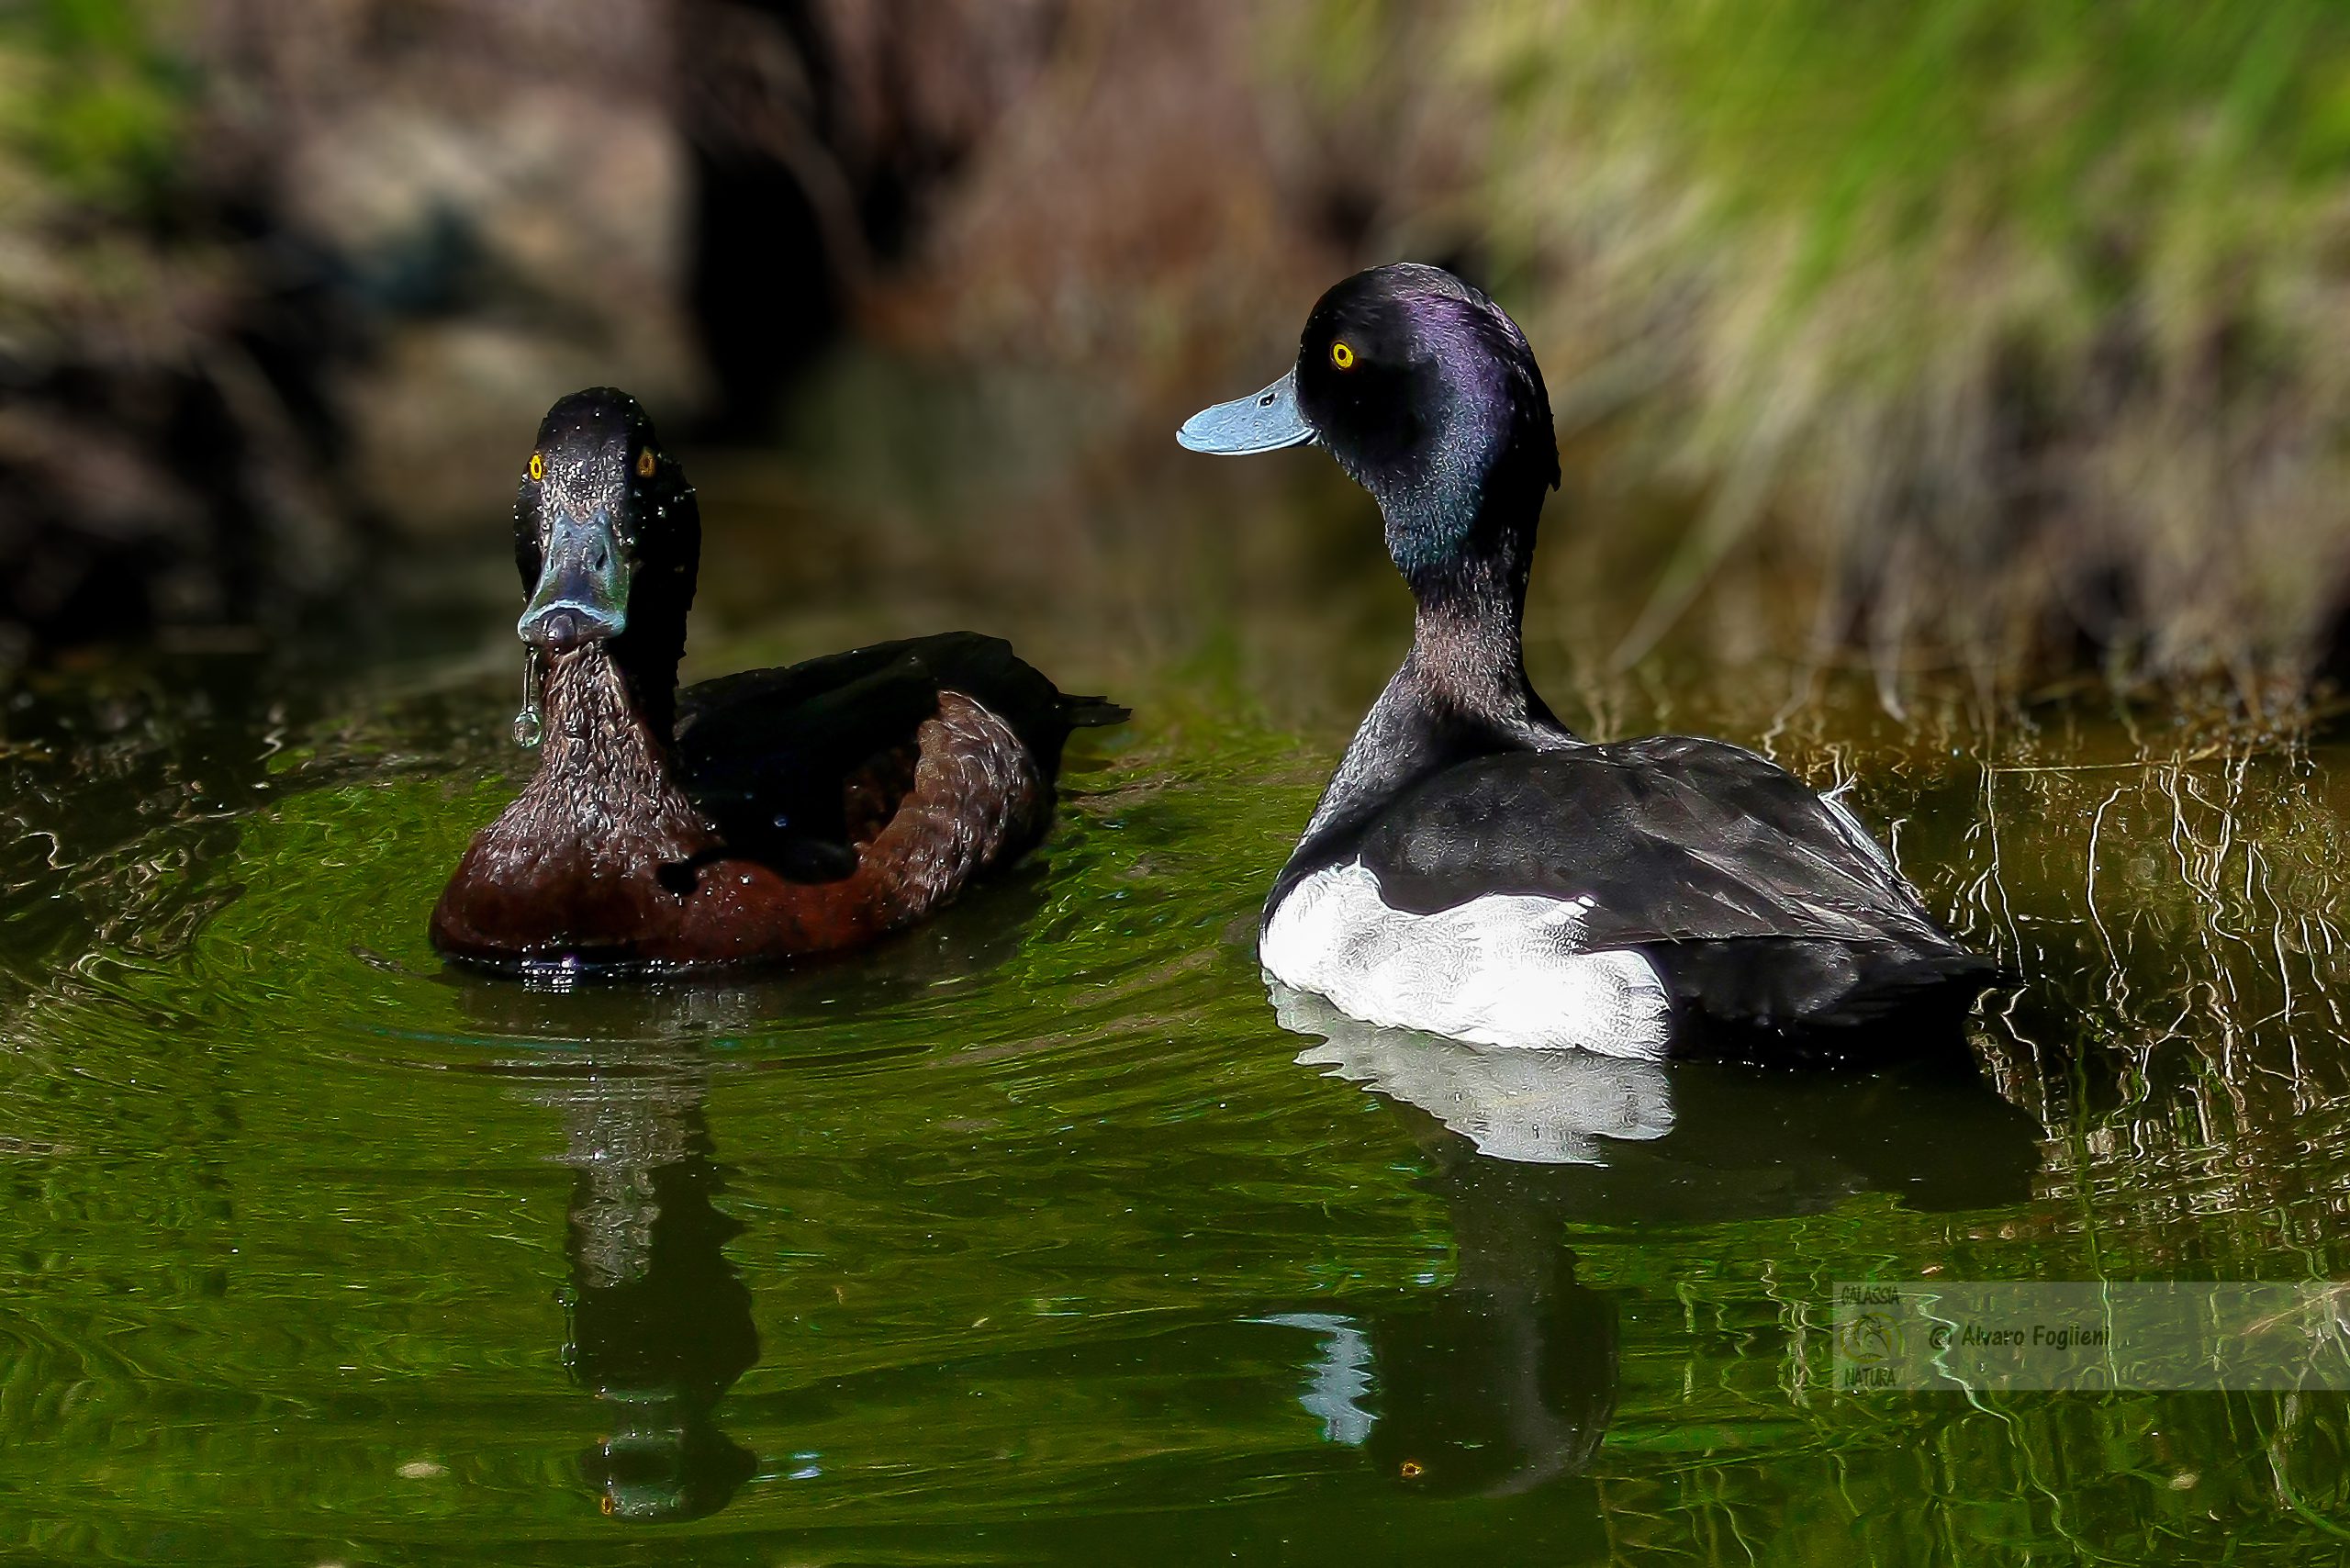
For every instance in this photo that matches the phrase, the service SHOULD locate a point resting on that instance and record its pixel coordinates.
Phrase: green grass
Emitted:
(93, 103)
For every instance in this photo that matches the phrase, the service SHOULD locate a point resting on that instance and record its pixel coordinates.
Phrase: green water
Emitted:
(1036, 1236)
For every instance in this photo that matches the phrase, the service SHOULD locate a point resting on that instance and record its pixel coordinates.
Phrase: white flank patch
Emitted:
(1505, 969)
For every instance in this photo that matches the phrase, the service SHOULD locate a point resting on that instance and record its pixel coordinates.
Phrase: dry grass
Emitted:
(2017, 327)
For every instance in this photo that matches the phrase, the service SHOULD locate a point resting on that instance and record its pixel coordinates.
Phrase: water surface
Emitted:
(1043, 1234)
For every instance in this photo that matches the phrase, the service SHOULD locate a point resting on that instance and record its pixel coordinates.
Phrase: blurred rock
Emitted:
(503, 195)
(1153, 197)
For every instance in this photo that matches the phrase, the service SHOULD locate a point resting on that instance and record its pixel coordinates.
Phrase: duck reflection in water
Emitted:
(660, 1326)
(1499, 1382)
(657, 1324)
(1505, 1378)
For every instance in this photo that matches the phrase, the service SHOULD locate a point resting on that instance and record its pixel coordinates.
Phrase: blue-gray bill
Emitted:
(583, 587)
(1263, 421)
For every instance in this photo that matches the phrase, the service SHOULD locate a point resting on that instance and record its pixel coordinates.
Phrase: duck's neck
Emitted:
(1462, 689)
(606, 781)
(1467, 660)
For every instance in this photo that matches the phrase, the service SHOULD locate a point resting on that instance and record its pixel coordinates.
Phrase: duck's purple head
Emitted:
(1428, 397)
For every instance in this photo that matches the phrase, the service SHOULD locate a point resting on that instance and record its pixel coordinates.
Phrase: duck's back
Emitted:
(1670, 872)
(795, 767)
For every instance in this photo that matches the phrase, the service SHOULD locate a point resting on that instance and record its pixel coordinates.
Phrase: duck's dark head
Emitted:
(608, 538)
(1428, 397)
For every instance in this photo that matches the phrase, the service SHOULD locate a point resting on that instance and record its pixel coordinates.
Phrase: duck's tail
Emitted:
(1092, 712)
(1784, 998)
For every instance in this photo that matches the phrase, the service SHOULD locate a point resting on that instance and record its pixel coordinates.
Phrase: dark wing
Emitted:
(1759, 901)
(781, 759)
(1675, 839)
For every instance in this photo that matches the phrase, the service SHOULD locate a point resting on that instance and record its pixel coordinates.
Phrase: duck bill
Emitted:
(582, 595)
(1263, 421)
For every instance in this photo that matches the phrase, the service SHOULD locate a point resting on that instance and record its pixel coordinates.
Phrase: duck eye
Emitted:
(538, 467)
(645, 464)
(1342, 355)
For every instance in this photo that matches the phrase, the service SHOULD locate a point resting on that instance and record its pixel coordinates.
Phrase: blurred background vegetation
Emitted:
(1993, 340)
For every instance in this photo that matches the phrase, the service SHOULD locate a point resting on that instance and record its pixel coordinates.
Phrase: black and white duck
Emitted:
(1476, 871)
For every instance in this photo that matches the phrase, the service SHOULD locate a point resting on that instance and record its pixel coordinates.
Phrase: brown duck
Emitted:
(755, 817)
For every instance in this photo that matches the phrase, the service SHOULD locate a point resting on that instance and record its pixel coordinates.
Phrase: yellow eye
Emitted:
(1342, 356)
(645, 464)
(538, 467)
